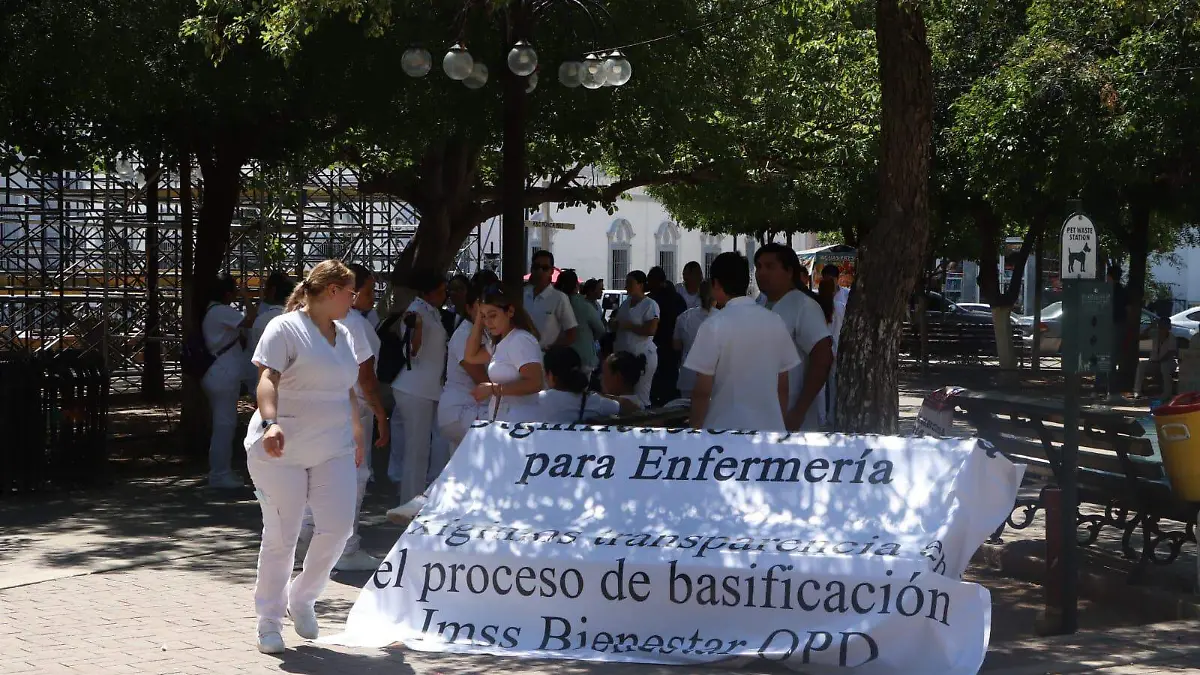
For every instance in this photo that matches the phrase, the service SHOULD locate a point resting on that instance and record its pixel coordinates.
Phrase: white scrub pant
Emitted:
(363, 474)
(284, 491)
(419, 415)
(222, 389)
(1166, 367)
(454, 421)
(395, 470)
(647, 379)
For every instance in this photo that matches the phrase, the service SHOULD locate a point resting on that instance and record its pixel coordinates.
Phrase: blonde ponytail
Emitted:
(327, 273)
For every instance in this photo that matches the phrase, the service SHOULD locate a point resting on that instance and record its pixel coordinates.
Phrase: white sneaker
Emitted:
(407, 511)
(359, 561)
(271, 643)
(305, 622)
(228, 481)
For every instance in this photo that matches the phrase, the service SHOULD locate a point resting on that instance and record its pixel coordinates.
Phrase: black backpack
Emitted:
(395, 351)
(195, 358)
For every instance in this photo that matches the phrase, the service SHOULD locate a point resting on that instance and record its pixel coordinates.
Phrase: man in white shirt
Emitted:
(775, 269)
(549, 307)
(690, 288)
(741, 356)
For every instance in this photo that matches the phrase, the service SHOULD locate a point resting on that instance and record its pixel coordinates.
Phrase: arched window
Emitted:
(710, 248)
(620, 236)
(666, 240)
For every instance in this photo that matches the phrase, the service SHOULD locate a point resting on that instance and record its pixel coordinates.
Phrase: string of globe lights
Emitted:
(609, 69)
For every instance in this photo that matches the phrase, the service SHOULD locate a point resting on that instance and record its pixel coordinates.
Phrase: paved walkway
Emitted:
(155, 577)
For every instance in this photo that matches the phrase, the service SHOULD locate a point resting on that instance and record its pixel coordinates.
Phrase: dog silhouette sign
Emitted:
(1079, 246)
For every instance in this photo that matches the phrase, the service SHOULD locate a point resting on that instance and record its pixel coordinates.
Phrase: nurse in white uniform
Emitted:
(223, 328)
(685, 334)
(637, 322)
(418, 388)
(275, 294)
(371, 415)
(303, 445)
(457, 409)
(514, 365)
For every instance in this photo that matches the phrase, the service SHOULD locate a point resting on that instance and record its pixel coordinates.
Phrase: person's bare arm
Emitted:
(781, 390)
(701, 393)
(816, 375)
(368, 381)
(268, 407)
(475, 353)
(477, 371)
(360, 445)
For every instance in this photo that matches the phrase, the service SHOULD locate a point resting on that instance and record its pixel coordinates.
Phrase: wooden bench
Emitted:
(1116, 470)
(957, 342)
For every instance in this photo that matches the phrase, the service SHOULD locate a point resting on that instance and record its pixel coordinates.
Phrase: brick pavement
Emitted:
(156, 578)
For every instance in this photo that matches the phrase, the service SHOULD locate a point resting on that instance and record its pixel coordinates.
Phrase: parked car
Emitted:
(940, 309)
(1051, 329)
(987, 309)
(610, 301)
(1184, 326)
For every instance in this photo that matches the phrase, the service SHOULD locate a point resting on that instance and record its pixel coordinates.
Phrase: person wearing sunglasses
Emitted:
(549, 307)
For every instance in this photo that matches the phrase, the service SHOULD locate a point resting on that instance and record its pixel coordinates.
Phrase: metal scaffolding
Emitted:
(76, 248)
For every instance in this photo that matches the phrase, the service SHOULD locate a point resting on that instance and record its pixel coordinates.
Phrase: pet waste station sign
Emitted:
(823, 553)
(1079, 248)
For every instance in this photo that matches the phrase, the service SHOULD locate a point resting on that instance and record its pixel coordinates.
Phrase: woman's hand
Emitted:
(385, 432)
(485, 390)
(273, 441)
(360, 453)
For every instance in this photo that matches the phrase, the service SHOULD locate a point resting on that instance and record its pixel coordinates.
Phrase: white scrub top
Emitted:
(551, 313)
(364, 342)
(685, 331)
(805, 321)
(266, 312)
(640, 314)
(519, 348)
(222, 327)
(456, 396)
(562, 407)
(744, 347)
(424, 379)
(314, 391)
(692, 301)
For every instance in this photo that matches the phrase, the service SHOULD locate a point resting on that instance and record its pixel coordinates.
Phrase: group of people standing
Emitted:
(468, 351)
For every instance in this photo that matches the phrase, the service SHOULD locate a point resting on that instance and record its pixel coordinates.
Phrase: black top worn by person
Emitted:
(670, 305)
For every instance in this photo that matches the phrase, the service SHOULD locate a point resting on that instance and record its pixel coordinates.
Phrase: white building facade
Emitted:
(638, 235)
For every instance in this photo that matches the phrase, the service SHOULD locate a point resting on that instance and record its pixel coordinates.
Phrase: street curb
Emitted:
(1108, 585)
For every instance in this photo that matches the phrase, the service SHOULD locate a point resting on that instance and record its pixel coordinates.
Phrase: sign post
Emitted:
(1087, 332)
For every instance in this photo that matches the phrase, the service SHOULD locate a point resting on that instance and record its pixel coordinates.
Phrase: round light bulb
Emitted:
(594, 75)
(570, 74)
(522, 59)
(617, 69)
(478, 77)
(458, 63)
(416, 62)
(531, 83)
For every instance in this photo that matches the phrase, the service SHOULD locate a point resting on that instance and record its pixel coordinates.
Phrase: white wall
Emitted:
(1181, 271)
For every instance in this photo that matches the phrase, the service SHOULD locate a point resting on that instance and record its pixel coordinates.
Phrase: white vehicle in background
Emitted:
(1184, 326)
(976, 307)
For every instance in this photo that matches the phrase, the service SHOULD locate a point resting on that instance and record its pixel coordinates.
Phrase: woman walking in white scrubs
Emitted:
(223, 328)
(365, 343)
(637, 322)
(514, 364)
(303, 444)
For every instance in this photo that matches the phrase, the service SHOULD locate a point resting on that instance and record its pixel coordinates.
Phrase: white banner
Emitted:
(823, 552)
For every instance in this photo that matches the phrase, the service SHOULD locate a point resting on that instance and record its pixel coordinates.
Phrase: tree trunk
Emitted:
(513, 170)
(1135, 290)
(891, 252)
(152, 362)
(222, 185)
